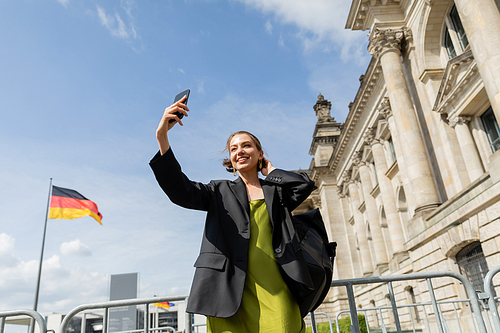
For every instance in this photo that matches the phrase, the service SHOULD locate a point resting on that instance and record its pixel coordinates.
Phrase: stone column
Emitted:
(385, 44)
(354, 265)
(386, 111)
(372, 213)
(359, 225)
(481, 22)
(394, 223)
(468, 147)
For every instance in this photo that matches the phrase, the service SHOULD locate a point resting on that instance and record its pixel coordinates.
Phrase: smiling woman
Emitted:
(247, 254)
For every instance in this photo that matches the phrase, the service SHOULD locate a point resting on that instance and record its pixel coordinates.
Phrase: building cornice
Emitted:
(363, 12)
(356, 109)
(316, 173)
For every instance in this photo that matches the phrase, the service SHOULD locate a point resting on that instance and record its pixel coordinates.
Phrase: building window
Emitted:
(454, 40)
(373, 168)
(459, 29)
(473, 265)
(448, 44)
(393, 151)
(491, 128)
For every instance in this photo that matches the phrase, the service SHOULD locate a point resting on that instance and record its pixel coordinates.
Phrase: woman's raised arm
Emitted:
(165, 125)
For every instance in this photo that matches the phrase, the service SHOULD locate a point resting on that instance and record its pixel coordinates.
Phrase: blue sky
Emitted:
(83, 85)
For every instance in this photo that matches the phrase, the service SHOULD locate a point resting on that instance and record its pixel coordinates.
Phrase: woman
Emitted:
(246, 250)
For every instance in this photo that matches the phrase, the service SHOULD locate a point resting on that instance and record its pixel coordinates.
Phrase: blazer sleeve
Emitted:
(177, 186)
(296, 186)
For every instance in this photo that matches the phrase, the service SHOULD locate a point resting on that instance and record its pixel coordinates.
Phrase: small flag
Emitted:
(69, 204)
(165, 305)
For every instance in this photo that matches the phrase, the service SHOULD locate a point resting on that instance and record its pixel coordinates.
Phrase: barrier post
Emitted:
(352, 308)
(394, 307)
(35, 317)
(313, 323)
(488, 288)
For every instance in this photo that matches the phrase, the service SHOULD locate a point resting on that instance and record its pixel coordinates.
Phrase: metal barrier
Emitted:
(114, 304)
(33, 314)
(473, 299)
(488, 297)
(314, 326)
(379, 309)
(490, 294)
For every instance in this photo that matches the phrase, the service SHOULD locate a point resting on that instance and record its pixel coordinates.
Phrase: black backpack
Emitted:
(318, 254)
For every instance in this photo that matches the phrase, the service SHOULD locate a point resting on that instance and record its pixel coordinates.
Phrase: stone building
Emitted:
(410, 182)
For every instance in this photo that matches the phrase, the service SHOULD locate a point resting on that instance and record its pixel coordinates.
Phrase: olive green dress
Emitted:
(267, 304)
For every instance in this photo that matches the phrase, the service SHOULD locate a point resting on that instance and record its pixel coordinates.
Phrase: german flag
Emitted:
(165, 305)
(69, 204)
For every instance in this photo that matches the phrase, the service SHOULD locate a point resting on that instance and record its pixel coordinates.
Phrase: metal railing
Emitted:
(491, 299)
(486, 301)
(114, 304)
(473, 299)
(314, 326)
(446, 326)
(30, 313)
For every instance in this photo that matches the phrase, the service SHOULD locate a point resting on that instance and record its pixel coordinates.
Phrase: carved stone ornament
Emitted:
(346, 177)
(340, 191)
(459, 120)
(386, 40)
(385, 108)
(322, 108)
(316, 202)
(357, 158)
(370, 136)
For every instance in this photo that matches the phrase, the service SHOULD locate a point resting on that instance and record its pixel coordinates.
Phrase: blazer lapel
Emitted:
(269, 192)
(240, 192)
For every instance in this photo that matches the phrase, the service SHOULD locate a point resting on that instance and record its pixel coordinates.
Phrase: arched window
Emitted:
(459, 29)
(448, 44)
(473, 265)
(454, 40)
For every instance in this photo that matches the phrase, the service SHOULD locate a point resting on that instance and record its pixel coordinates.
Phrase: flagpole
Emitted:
(35, 306)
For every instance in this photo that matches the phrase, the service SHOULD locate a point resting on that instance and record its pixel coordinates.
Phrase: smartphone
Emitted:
(178, 97)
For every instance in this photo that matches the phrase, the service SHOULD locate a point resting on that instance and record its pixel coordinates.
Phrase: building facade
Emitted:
(410, 182)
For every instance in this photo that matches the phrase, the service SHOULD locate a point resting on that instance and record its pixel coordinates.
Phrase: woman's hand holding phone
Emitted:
(172, 115)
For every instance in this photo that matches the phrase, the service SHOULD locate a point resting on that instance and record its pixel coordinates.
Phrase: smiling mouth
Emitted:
(242, 159)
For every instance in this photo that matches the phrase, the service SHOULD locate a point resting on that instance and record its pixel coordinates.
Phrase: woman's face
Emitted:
(243, 153)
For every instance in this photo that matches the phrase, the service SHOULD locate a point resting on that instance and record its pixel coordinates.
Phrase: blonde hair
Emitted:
(227, 162)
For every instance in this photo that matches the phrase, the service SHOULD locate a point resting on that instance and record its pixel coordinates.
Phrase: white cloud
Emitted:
(118, 29)
(116, 25)
(62, 286)
(6, 243)
(181, 70)
(75, 247)
(201, 86)
(6, 248)
(318, 21)
(281, 42)
(63, 2)
(269, 27)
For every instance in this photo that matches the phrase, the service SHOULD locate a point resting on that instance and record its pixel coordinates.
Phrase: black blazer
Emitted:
(221, 267)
